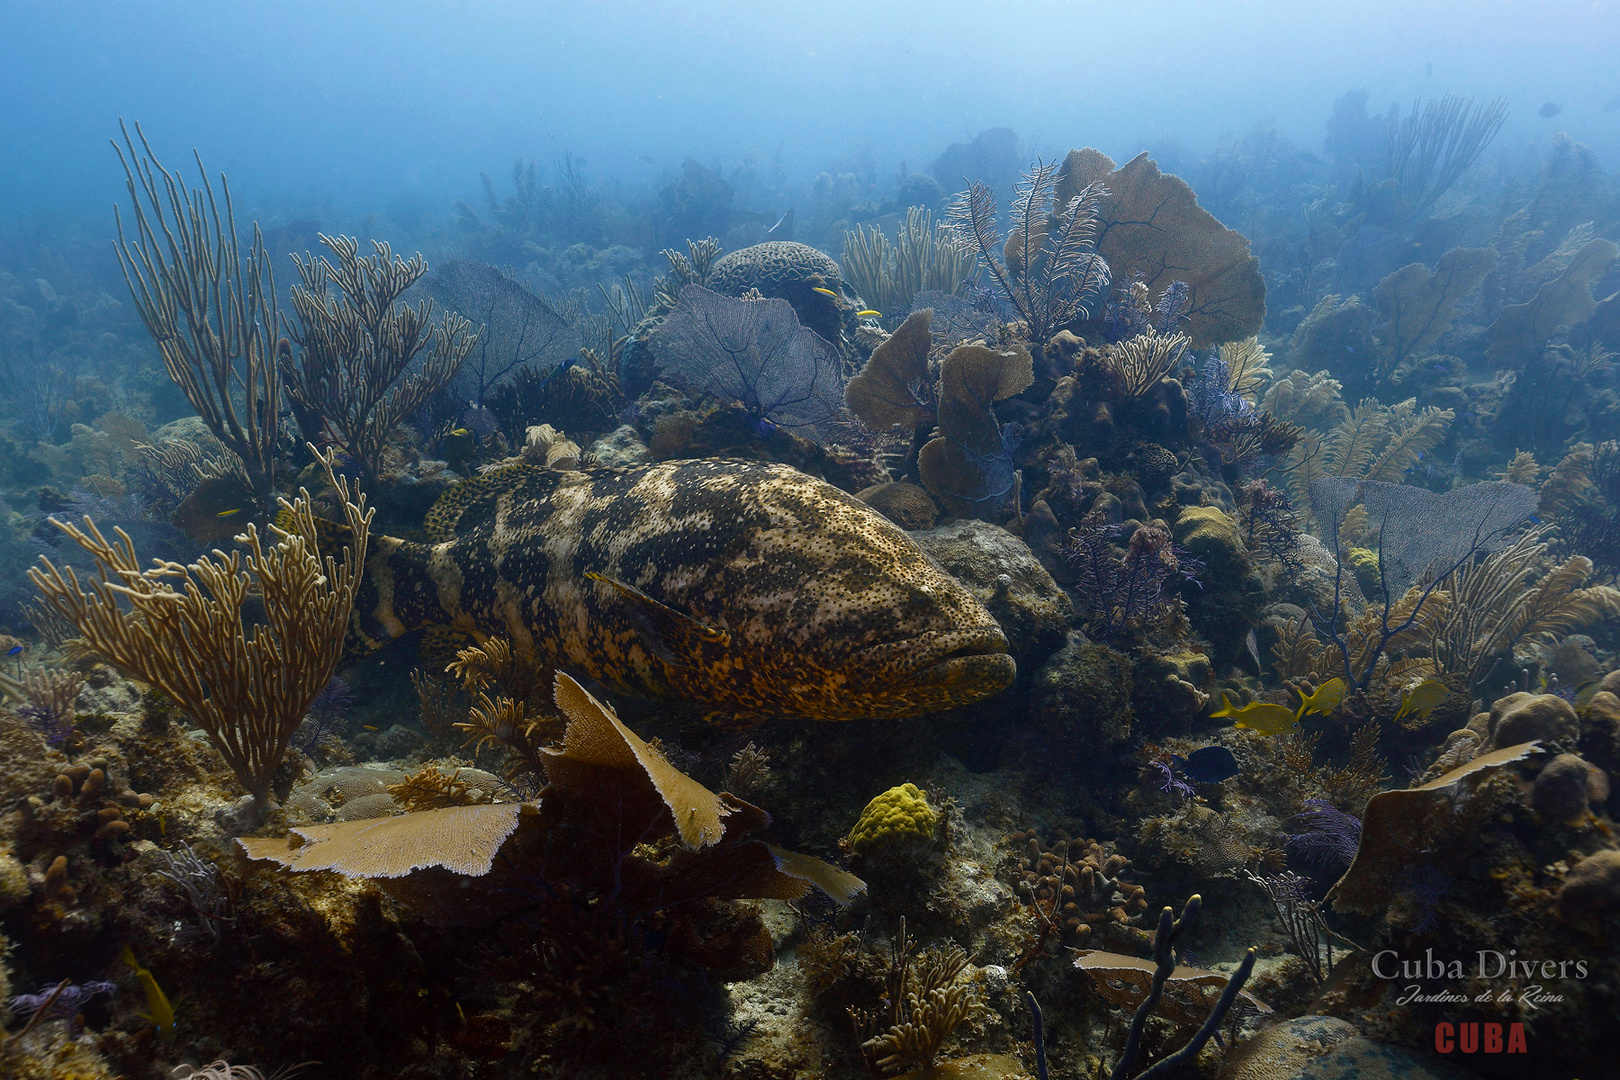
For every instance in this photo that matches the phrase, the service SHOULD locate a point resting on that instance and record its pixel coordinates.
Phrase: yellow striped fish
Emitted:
(1422, 698)
(160, 1012)
(1326, 698)
(1259, 716)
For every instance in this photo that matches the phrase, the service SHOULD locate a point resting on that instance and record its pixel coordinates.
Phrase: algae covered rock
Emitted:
(900, 815)
(27, 769)
(1230, 596)
(1172, 685)
(1082, 695)
(1209, 532)
(1285, 1050)
(1521, 717)
(1004, 575)
(1592, 888)
(13, 880)
(1566, 786)
(1362, 1059)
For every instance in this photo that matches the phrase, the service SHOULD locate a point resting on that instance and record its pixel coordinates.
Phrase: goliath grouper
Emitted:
(749, 588)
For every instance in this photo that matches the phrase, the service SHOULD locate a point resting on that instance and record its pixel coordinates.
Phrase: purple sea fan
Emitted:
(68, 1003)
(1210, 397)
(323, 722)
(1331, 837)
(1427, 886)
(1168, 781)
(53, 725)
(1121, 592)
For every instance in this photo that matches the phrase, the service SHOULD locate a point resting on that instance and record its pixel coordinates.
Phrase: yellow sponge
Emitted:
(899, 814)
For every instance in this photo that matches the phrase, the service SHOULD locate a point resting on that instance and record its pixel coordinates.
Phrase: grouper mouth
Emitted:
(954, 665)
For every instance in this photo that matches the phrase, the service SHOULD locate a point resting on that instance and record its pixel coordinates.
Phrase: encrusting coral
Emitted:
(897, 816)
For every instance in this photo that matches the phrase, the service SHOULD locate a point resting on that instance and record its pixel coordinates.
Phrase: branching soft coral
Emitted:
(1048, 268)
(1125, 591)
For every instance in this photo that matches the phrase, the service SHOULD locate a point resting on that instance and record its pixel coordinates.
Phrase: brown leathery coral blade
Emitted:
(596, 740)
(893, 386)
(1189, 992)
(463, 839)
(1398, 823)
(1151, 226)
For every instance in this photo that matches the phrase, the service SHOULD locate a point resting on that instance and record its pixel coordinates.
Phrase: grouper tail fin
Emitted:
(331, 537)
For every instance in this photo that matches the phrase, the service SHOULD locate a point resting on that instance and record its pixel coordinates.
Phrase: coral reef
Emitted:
(1304, 555)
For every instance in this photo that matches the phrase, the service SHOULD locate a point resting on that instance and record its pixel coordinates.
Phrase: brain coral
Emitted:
(775, 264)
(787, 270)
(899, 814)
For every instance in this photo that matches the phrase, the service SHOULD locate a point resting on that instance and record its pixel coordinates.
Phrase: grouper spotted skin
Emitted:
(748, 588)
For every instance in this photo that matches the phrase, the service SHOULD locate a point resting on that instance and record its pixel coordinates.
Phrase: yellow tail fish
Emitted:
(1259, 716)
(1324, 701)
(825, 292)
(160, 1011)
(1422, 698)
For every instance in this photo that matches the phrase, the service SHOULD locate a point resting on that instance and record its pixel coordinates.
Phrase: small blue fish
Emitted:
(1210, 765)
(15, 650)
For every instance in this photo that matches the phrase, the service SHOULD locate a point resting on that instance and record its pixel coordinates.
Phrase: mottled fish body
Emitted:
(750, 588)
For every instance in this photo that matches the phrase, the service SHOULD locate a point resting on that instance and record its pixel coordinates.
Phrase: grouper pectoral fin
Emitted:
(674, 635)
(440, 644)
